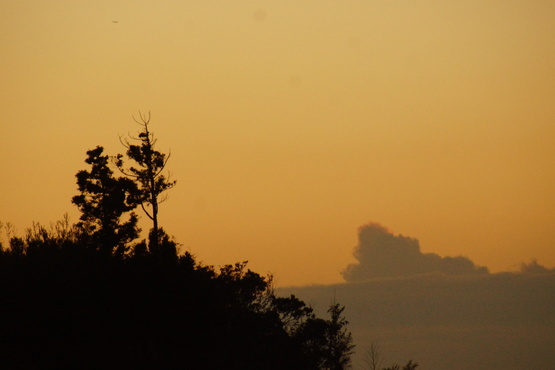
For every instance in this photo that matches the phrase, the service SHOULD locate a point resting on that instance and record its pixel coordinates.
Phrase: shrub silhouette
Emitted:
(69, 306)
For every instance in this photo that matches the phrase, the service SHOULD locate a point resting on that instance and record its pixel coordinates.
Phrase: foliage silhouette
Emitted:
(71, 306)
(103, 200)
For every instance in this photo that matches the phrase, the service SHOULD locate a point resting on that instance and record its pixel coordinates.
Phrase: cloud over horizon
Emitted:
(381, 254)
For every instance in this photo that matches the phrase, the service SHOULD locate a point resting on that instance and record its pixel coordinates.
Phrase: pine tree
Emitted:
(148, 176)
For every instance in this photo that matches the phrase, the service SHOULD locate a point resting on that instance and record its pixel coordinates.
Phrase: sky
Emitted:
(292, 123)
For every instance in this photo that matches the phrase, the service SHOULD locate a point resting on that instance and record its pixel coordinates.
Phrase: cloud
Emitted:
(443, 312)
(380, 254)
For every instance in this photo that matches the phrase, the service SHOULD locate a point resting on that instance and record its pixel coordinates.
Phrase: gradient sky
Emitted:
(291, 123)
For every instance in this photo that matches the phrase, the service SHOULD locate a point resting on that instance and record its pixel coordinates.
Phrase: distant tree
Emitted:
(373, 356)
(147, 174)
(534, 268)
(103, 201)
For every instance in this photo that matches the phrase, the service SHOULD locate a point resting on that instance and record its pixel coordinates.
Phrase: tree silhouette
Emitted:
(373, 356)
(103, 200)
(76, 299)
(374, 359)
(147, 174)
(340, 341)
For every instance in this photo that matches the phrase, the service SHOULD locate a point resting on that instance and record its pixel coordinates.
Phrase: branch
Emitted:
(114, 159)
(145, 120)
(124, 143)
(145, 211)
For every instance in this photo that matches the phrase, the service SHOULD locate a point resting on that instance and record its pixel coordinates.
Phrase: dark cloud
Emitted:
(380, 254)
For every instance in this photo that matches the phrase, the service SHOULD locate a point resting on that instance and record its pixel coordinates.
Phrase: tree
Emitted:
(103, 200)
(373, 357)
(340, 341)
(292, 312)
(147, 174)
(147, 310)
(327, 344)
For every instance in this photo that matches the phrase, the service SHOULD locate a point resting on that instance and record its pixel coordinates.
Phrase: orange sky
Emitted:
(291, 123)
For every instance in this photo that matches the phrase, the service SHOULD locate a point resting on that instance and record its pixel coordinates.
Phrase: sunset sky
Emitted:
(292, 123)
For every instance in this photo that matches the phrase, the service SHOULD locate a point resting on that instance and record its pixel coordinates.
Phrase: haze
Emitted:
(292, 123)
